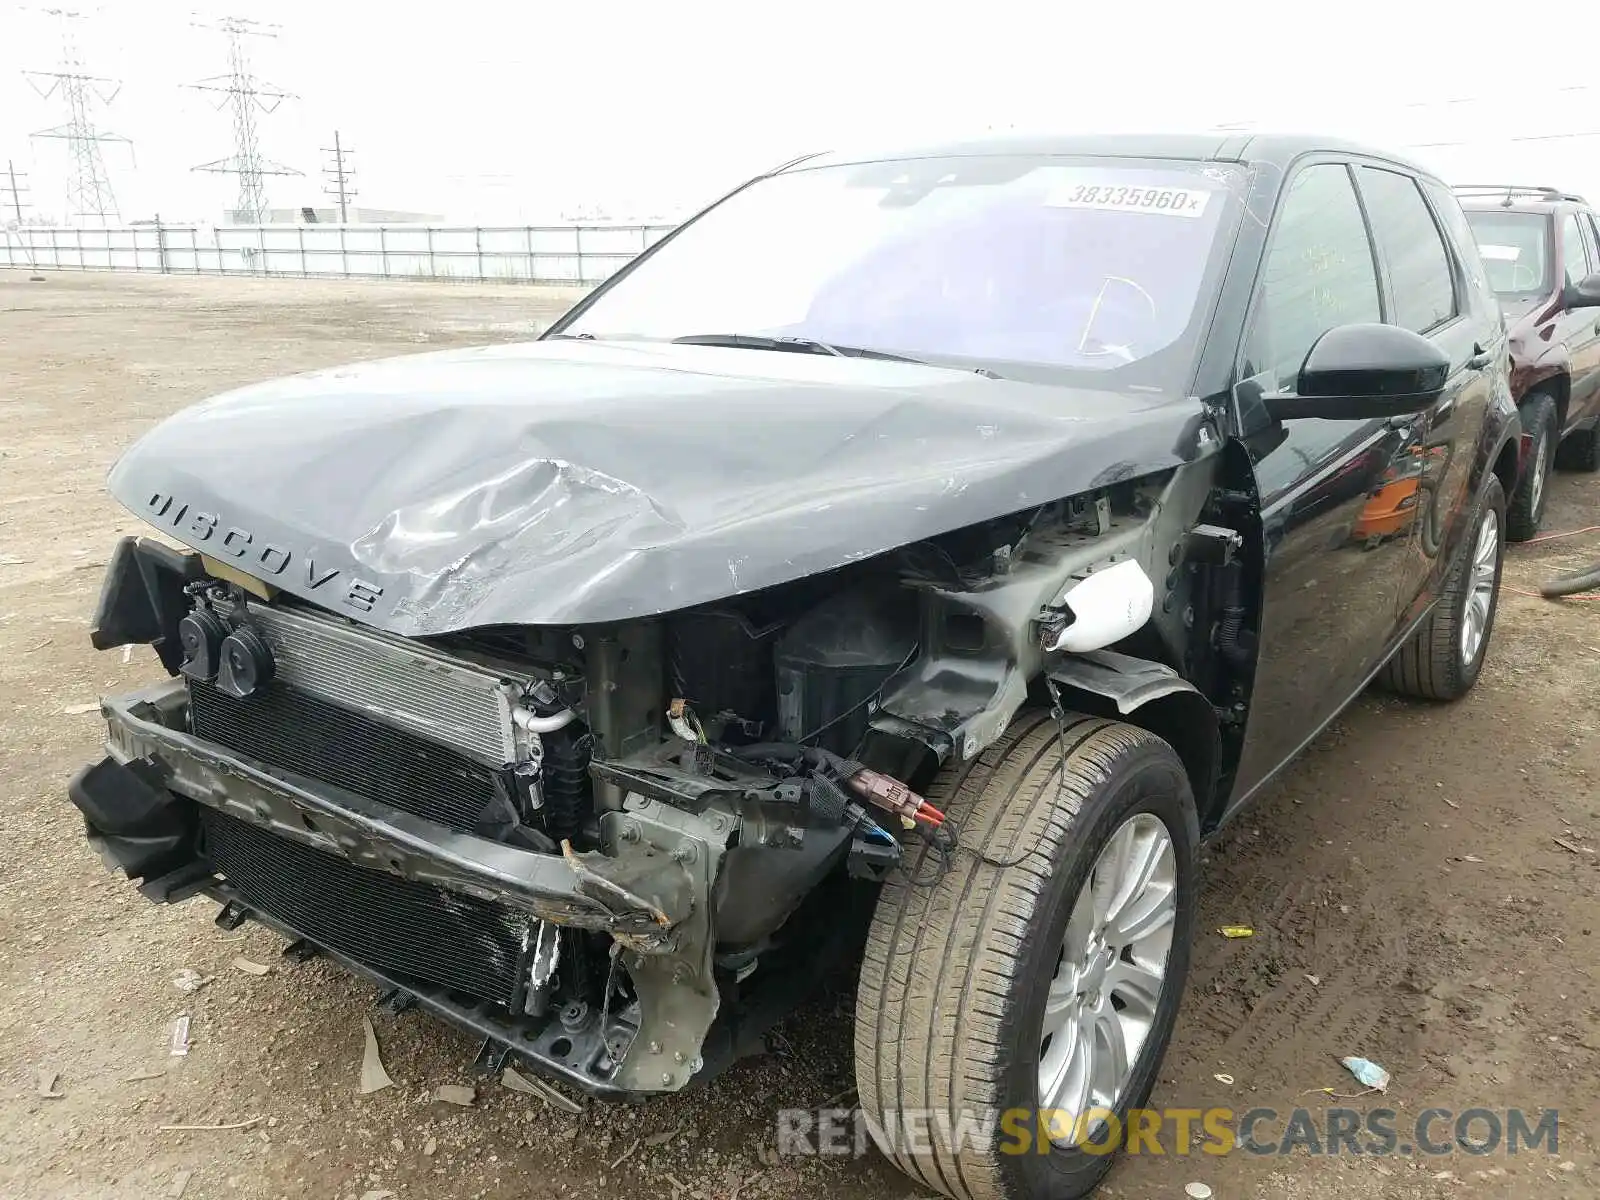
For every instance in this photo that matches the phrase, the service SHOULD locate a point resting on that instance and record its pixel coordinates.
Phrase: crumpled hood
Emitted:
(572, 482)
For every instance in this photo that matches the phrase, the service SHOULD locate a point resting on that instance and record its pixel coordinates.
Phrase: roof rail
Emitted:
(1512, 190)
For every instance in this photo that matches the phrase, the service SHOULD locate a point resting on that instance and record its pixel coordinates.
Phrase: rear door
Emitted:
(1429, 294)
(1334, 550)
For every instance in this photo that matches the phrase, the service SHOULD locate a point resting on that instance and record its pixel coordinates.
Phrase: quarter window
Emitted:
(1318, 273)
(1419, 265)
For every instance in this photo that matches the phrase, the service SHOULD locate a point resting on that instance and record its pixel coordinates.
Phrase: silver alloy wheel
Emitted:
(1480, 581)
(1110, 973)
(1541, 464)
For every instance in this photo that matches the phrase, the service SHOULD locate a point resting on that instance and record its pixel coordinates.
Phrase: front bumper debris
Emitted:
(649, 886)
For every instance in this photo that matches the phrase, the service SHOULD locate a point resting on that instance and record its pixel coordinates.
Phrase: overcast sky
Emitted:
(521, 112)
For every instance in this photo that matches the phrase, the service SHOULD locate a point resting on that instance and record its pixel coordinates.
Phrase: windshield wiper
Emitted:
(798, 345)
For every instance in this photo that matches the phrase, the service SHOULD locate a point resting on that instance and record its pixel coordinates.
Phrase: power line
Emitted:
(1483, 141)
(339, 177)
(1499, 98)
(89, 194)
(247, 95)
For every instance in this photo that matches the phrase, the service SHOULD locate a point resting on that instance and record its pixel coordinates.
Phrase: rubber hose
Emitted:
(1572, 583)
(1230, 630)
(568, 793)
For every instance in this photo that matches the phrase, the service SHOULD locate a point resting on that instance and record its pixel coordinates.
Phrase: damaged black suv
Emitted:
(910, 560)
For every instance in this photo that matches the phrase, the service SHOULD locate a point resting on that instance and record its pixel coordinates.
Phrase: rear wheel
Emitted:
(1043, 975)
(1443, 657)
(1580, 451)
(1525, 507)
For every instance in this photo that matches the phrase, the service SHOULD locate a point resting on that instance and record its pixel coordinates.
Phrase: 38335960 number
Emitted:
(1169, 201)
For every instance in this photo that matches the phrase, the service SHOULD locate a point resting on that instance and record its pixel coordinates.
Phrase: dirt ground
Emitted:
(1422, 885)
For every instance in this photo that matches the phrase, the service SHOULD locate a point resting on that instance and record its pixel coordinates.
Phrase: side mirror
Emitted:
(1585, 293)
(1364, 373)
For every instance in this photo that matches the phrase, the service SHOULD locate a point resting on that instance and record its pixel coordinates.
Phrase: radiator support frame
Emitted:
(649, 886)
(536, 1041)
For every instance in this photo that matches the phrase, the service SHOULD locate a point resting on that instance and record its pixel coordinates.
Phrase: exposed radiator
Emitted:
(392, 680)
(286, 728)
(407, 928)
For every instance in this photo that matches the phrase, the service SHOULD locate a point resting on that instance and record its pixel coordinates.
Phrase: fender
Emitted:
(1154, 697)
(1555, 366)
(1498, 454)
(1501, 455)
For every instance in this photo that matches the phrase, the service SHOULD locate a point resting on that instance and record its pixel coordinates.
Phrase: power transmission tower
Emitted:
(247, 95)
(340, 177)
(13, 193)
(12, 198)
(89, 194)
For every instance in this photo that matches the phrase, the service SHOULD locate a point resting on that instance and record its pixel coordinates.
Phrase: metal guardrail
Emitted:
(559, 254)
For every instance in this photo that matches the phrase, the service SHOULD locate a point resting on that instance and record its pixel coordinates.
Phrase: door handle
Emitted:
(1480, 359)
(1441, 412)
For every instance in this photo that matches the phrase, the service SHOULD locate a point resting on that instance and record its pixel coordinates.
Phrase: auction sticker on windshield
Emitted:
(1168, 201)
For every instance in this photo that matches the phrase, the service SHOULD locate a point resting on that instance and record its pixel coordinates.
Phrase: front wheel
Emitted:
(1018, 992)
(1445, 654)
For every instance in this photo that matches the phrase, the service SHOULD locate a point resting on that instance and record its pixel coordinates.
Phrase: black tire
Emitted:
(1579, 451)
(1525, 507)
(1431, 664)
(951, 999)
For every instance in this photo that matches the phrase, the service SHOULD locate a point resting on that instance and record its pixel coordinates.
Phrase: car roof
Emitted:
(1533, 208)
(1503, 197)
(1234, 146)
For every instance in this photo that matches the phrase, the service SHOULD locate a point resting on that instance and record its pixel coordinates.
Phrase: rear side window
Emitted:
(1572, 255)
(1419, 265)
(1448, 209)
(1318, 273)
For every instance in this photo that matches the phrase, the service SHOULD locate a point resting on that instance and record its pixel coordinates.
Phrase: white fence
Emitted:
(574, 254)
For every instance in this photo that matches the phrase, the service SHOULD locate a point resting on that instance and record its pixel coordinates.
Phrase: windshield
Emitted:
(1515, 248)
(1092, 265)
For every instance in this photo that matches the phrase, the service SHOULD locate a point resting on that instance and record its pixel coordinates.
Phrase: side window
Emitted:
(1448, 209)
(1572, 253)
(1318, 273)
(1591, 239)
(1419, 266)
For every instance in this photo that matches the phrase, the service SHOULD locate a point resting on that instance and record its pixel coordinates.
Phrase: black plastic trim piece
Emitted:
(142, 598)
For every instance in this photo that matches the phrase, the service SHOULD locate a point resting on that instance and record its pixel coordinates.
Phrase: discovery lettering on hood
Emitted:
(576, 482)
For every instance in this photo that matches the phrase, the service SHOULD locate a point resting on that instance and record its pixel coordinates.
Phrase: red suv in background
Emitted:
(1541, 249)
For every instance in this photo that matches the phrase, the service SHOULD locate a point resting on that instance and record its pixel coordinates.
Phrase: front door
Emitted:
(1335, 536)
(1432, 292)
(1579, 328)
